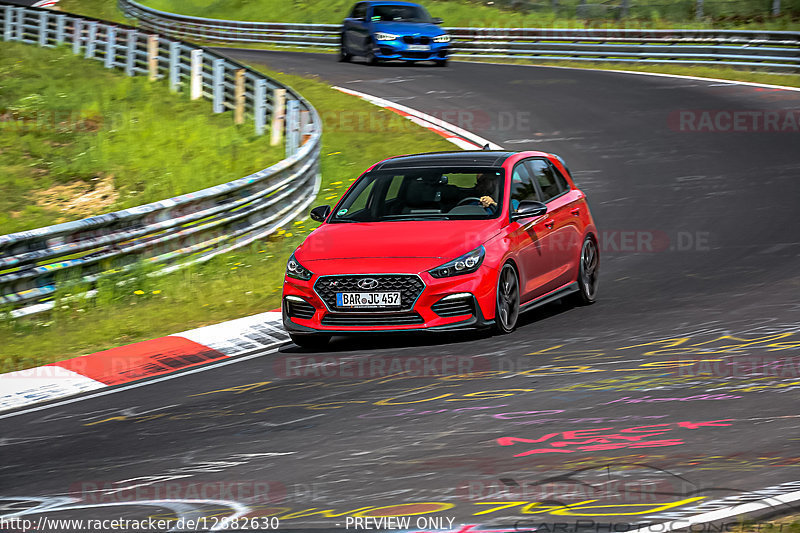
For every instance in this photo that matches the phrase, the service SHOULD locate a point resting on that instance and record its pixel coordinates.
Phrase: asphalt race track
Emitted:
(679, 387)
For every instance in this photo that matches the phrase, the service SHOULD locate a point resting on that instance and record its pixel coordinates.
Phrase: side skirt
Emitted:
(550, 297)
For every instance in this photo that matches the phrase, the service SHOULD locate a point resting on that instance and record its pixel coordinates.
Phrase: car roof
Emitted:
(477, 158)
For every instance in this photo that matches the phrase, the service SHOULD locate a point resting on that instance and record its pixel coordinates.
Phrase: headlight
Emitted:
(465, 264)
(296, 270)
(442, 38)
(382, 36)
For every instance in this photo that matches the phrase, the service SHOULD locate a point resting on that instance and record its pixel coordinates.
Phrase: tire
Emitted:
(370, 57)
(588, 267)
(441, 63)
(311, 342)
(344, 55)
(506, 300)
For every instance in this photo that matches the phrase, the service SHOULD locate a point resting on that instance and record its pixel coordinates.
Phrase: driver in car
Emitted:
(486, 189)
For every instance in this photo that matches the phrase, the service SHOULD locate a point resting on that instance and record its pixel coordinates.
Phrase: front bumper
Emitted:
(476, 288)
(399, 50)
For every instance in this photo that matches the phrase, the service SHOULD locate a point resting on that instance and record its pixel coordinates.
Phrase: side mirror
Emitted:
(320, 213)
(437, 20)
(528, 208)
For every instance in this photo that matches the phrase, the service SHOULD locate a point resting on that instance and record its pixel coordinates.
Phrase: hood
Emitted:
(439, 239)
(409, 28)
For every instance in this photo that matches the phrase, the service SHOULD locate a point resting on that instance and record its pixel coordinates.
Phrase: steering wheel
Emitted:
(469, 199)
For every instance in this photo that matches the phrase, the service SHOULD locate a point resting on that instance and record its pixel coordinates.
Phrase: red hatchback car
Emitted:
(442, 241)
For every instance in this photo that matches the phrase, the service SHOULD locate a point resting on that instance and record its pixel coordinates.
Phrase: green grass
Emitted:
(785, 524)
(355, 135)
(645, 14)
(99, 9)
(97, 141)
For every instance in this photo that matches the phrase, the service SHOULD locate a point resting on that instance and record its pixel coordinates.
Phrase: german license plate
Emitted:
(368, 299)
(418, 47)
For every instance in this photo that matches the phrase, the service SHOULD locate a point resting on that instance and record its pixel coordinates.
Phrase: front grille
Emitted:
(447, 306)
(299, 309)
(410, 39)
(409, 286)
(350, 319)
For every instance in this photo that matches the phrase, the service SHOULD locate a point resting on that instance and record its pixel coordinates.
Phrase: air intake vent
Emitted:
(455, 306)
(299, 309)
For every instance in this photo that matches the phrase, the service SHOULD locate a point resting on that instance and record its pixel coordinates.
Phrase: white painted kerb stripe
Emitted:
(452, 128)
(721, 514)
(40, 384)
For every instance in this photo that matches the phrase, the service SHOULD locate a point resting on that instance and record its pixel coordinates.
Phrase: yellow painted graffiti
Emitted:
(499, 508)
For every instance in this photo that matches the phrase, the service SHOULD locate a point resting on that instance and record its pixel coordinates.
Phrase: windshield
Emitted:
(423, 194)
(399, 13)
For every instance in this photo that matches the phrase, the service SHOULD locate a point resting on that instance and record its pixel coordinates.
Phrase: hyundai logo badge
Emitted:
(367, 283)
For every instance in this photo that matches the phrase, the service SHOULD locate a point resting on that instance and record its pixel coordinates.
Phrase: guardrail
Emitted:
(773, 50)
(181, 230)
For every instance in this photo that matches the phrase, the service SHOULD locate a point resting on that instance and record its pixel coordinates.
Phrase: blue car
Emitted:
(382, 30)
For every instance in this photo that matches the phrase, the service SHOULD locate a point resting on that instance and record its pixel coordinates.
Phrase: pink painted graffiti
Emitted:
(595, 440)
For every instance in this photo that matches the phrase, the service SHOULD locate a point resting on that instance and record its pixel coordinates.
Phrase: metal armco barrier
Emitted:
(181, 230)
(773, 50)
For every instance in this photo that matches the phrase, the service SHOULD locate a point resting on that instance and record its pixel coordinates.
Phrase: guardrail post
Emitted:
(260, 105)
(152, 57)
(77, 36)
(8, 20)
(174, 66)
(218, 86)
(305, 122)
(60, 21)
(238, 97)
(130, 53)
(111, 47)
(197, 74)
(43, 29)
(292, 127)
(20, 23)
(91, 40)
(278, 110)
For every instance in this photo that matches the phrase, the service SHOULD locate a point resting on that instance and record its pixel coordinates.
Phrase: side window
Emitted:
(363, 199)
(394, 187)
(562, 183)
(550, 183)
(522, 187)
(359, 10)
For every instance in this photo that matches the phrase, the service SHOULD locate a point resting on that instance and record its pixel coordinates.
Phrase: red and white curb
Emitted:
(45, 3)
(141, 360)
(466, 140)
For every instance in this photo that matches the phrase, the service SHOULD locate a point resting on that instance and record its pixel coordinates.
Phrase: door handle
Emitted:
(549, 223)
(576, 212)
